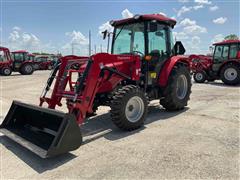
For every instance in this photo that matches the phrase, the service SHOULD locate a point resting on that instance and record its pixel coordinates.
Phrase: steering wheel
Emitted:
(139, 52)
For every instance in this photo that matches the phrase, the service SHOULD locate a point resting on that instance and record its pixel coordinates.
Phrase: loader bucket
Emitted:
(46, 132)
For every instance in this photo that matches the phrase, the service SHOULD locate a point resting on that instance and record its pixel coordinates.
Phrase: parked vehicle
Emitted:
(224, 64)
(43, 63)
(143, 65)
(17, 61)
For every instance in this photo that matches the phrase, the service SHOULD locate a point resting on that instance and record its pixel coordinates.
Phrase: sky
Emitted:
(55, 25)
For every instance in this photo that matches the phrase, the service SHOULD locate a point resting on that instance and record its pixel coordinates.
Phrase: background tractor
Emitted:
(224, 64)
(43, 63)
(17, 61)
(144, 65)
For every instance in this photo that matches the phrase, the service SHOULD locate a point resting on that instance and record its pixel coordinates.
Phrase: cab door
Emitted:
(220, 56)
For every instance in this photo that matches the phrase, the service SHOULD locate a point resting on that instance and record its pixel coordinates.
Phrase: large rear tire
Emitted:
(230, 74)
(177, 93)
(6, 71)
(129, 108)
(199, 77)
(26, 69)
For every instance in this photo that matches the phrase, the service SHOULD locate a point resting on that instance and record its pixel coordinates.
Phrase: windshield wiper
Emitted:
(119, 32)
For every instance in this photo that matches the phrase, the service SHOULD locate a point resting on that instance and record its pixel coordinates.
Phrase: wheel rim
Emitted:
(134, 109)
(199, 76)
(28, 68)
(7, 71)
(230, 74)
(182, 87)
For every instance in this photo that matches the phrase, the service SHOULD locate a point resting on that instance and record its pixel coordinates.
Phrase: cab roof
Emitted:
(157, 17)
(227, 42)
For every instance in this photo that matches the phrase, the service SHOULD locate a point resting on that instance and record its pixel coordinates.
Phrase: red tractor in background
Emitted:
(17, 61)
(144, 65)
(224, 64)
(43, 63)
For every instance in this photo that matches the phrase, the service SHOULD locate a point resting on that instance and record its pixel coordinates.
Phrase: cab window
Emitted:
(218, 52)
(233, 51)
(157, 38)
(225, 52)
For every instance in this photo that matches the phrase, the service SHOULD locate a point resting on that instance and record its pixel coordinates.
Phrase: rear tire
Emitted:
(177, 93)
(26, 69)
(230, 74)
(199, 77)
(6, 71)
(129, 108)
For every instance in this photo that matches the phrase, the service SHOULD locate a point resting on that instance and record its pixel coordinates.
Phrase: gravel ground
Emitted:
(202, 141)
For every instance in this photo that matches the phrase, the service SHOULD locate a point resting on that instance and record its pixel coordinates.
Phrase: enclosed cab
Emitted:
(224, 64)
(43, 63)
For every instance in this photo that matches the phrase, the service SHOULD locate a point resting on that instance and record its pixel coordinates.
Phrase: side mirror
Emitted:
(105, 34)
(179, 48)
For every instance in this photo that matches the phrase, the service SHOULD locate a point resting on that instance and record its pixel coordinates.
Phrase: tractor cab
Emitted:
(225, 51)
(150, 37)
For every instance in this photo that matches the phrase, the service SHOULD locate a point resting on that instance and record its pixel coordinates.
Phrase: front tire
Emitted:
(129, 108)
(6, 71)
(26, 69)
(177, 93)
(230, 74)
(199, 77)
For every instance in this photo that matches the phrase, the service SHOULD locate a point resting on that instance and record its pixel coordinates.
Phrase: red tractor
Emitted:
(224, 64)
(43, 63)
(144, 65)
(17, 61)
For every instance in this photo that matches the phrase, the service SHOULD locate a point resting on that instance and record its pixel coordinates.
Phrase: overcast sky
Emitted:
(52, 26)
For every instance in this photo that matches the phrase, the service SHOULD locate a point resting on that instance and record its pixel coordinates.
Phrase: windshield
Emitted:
(129, 39)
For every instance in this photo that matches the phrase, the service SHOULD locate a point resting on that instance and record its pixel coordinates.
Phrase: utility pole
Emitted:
(101, 48)
(89, 39)
(95, 48)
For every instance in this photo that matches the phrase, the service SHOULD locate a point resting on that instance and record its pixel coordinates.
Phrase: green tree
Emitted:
(231, 37)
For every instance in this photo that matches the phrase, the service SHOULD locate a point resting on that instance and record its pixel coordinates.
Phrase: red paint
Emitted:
(169, 65)
(157, 17)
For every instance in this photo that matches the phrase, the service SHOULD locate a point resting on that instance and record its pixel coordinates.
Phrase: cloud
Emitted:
(183, 10)
(77, 41)
(218, 38)
(161, 13)
(126, 14)
(220, 20)
(180, 35)
(105, 26)
(196, 40)
(202, 1)
(187, 22)
(183, 1)
(77, 37)
(194, 29)
(213, 8)
(197, 7)
(23, 40)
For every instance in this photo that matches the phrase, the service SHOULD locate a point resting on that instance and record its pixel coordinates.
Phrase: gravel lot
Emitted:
(201, 141)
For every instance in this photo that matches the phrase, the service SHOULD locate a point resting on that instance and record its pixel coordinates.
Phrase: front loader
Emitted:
(143, 66)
